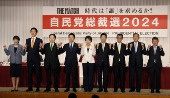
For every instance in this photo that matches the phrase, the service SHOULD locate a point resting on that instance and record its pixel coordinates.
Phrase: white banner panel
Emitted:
(148, 21)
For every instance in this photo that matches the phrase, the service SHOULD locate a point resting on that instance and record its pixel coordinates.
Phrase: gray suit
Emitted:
(15, 57)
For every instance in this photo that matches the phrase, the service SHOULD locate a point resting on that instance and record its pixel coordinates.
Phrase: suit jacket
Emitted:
(51, 57)
(71, 56)
(103, 55)
(15, 57)
(33, 53)
(117, 56)
(158, 55)
(136, 56)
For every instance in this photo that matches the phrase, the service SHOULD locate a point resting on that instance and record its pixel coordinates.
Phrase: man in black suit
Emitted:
(136, 51)
(51, 62)
(71, 63)
(33, 58)
(119, 50)
(103, 52)
(155, 64)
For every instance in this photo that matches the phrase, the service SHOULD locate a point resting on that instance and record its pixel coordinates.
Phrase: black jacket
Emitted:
(103, 55)
(158, 55)
(33, 53)
(51, 57)
(115, 53)
(136, 56)
(71, 56)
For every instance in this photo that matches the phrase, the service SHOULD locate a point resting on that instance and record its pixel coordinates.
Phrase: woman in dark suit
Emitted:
(15, 51)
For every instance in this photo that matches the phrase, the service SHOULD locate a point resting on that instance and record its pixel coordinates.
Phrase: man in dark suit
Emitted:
(51, 62)
(136, 51)
(33, 58)
(71, 63)
(119, 50)
(155, 64)
(103, 52)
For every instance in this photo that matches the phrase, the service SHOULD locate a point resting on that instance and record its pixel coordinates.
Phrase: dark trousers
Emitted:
(116, 71)
(71, 69)
(30, 71)
(105, 69)
(152, 72)
(55, 75)
(132, 70)
(88, 69)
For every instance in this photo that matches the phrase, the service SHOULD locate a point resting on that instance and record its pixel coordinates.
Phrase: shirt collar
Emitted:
(119, 43)
(154, 46)
(51, 43)
(103, 43)
(72, 42)
(136, 42)
(33, 37)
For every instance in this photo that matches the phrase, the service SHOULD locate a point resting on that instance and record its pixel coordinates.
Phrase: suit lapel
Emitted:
(69, 47)
(152, 48)
(30, 42)
(139, 46)
(49, 47)
(17, 49)
(13, 48)
(157, 50)
(133, 46)
(116, 48)
(54, 47)
(105, 47)
(73, 46)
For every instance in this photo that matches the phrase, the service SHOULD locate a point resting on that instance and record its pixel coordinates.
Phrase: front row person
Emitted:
(51, 62)
(15, 51)
(88, 51)
(71, 62)
(103, 52)
(33, 58)
(155, 64)
(136, 51)
(119, 50)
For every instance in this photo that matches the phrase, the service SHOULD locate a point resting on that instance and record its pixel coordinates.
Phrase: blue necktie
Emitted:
(155, 53)
(71, 48)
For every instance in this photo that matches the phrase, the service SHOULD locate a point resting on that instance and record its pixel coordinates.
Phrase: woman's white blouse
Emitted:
(88, 56)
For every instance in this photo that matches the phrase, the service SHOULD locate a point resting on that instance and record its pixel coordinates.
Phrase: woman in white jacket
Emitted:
(88, 51)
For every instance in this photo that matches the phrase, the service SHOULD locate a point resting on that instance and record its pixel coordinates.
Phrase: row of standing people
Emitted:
(135, 50)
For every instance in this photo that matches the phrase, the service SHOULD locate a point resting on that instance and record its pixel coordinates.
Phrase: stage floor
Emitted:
(81, 90)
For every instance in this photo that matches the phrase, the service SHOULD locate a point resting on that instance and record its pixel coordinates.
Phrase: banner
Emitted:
(148, 21)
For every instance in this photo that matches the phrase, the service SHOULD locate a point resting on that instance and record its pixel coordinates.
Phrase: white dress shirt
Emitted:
(52, 44)
(32, 39)
(136, 46)
(118, 45)
(72, 44)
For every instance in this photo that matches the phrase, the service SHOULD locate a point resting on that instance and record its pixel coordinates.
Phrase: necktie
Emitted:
(51, 47)
(119, 50)
(71, 47)
(103, 46)
(135, 47)
(32, 44)
(155, 53)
